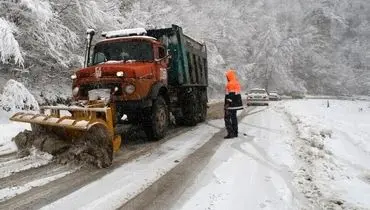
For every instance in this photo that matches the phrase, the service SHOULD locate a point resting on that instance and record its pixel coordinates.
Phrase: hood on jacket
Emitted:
(230, 75)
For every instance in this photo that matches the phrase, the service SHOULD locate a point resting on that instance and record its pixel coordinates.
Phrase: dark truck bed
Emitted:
(188, 63)
(187, 74)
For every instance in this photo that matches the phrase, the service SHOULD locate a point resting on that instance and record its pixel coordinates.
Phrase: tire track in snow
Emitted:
(11, 191)
(40, 196)
(282, 170)
(58, 186)
(8, 157)
(162, 194)
(10, 166)
(23, 177)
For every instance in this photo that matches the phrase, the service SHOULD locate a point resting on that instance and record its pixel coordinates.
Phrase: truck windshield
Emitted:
(122, 51)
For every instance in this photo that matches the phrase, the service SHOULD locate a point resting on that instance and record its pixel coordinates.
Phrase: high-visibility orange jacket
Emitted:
(233, 99)
(232, 83)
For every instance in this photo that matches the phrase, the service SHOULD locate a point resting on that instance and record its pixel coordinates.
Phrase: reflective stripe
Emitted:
(237, 107)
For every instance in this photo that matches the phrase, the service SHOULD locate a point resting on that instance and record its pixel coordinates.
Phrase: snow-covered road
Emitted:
(253, 171)
(295, 154)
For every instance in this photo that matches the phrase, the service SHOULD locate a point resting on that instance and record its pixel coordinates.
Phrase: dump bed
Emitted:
(188, 62)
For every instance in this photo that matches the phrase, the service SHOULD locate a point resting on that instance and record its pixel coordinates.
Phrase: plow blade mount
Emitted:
(72, 124)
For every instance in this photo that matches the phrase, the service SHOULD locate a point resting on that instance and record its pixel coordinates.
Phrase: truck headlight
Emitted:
(75, 91)
(129, 89)
(119, 74)
(74, 76)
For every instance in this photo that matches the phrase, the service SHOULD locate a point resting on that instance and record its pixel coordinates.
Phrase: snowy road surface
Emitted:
(297, 154)
(253, 171)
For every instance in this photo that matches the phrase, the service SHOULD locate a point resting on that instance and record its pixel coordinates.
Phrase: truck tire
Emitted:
(190, 110)
(156, 120)
(203, 106)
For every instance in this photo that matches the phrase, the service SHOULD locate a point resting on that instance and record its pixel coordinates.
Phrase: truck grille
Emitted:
(84, 89)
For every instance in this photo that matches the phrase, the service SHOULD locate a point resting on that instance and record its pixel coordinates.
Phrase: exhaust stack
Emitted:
(90, 34)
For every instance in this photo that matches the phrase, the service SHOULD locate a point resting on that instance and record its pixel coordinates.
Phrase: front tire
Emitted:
(157, 120)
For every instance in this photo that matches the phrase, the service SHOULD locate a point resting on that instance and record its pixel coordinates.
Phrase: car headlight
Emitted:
(74, 76)
(120, 74)
(129, 89)
(75, 91)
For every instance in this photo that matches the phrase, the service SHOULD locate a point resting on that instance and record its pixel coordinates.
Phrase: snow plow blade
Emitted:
(92, 124)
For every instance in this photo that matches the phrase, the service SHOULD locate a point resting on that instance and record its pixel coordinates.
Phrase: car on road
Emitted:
(274, 96)
(257, 96)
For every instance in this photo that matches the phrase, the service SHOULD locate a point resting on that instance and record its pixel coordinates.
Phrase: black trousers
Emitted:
(231, 122)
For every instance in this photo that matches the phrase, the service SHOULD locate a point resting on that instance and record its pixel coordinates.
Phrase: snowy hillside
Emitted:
(316, 46)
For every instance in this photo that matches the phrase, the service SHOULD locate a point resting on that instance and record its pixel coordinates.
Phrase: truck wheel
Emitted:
(203, 106)
(156, 125)
(190, 110)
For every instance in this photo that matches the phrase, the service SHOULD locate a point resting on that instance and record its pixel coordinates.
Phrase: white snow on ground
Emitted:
(253, 171)
(296, 154)
(335, 145)
(7, 131)
(9, 192)
(15, 98)
(116, 188)
(36, 159)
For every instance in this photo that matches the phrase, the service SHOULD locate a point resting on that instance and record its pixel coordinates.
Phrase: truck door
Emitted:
(161, 64)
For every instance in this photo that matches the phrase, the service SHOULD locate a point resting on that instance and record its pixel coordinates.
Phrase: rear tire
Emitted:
(190, 109)
(203, 106)
(156, 120)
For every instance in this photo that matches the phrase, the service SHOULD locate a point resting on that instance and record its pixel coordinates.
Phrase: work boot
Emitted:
(228, 136)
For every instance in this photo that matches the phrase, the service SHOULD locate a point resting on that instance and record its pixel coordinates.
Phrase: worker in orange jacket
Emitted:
(233, 102)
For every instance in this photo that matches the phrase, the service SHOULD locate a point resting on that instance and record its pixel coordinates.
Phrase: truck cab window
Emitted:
(99, 58)
(123, 51)
(161, 52)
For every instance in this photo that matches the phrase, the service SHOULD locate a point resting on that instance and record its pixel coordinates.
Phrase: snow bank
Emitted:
(16, 97)
(8, 131)
(9, 47)
(334, 146)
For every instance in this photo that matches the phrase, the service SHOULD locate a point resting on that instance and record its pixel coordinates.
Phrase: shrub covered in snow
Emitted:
(16, 97)
(9, 47)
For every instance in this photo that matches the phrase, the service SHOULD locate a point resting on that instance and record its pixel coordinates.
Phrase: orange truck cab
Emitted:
(148, 75)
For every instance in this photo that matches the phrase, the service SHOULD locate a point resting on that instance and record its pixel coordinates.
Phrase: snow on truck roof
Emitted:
(149, 38)
(125, 32)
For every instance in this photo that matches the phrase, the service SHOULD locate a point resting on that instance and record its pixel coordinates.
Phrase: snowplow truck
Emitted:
(132, 76)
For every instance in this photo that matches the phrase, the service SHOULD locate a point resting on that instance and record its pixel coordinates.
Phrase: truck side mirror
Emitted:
(164, 55)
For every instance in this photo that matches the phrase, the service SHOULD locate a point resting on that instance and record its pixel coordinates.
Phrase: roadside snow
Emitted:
(117, 187)
(8, 130)
(334, 143)
(15, 97)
